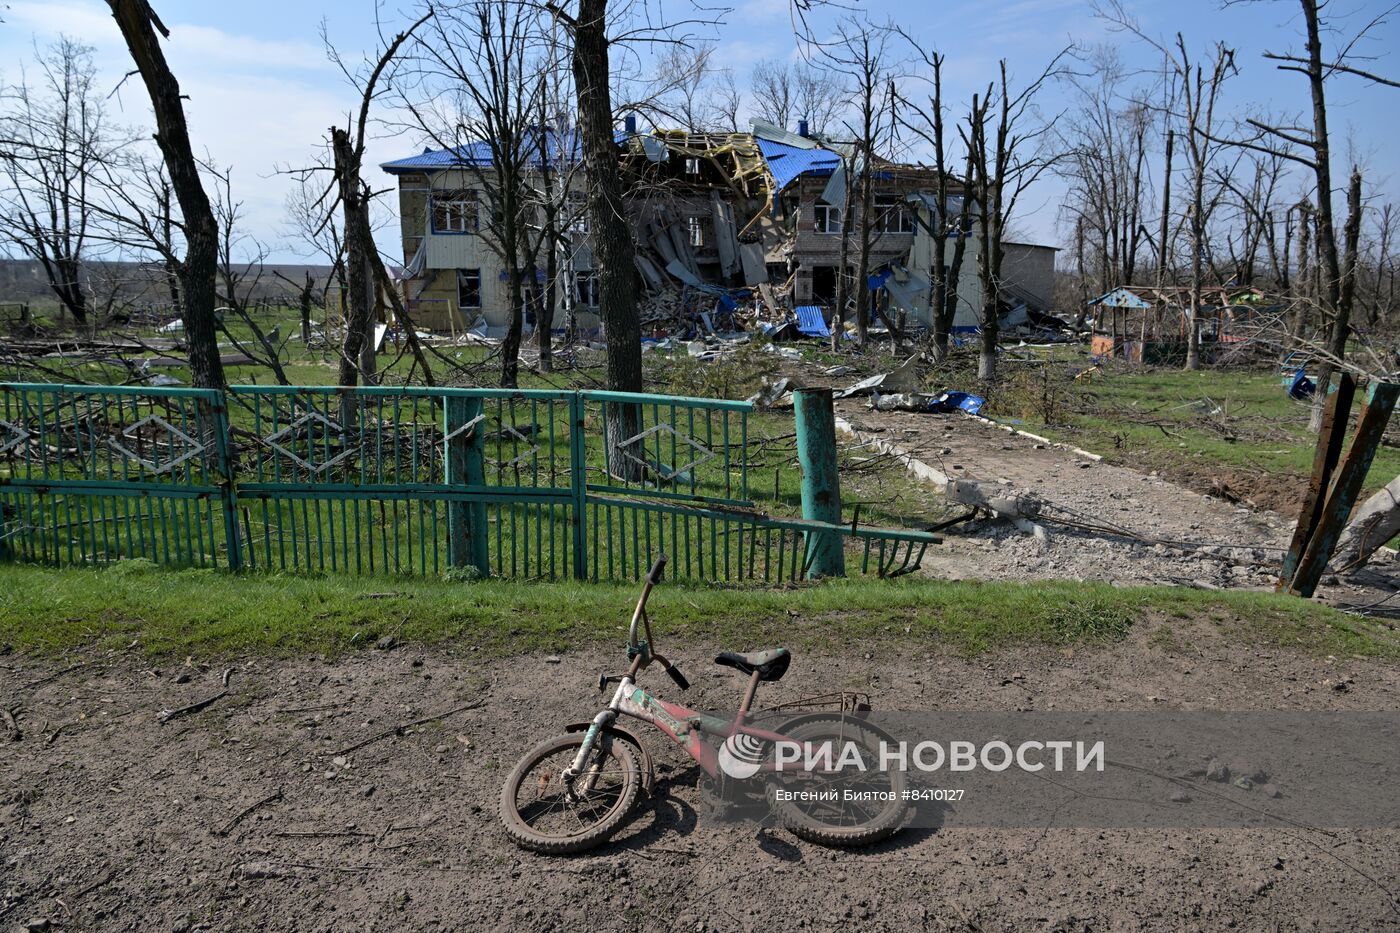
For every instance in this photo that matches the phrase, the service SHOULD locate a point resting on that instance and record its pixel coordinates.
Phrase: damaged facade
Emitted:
(731, 228)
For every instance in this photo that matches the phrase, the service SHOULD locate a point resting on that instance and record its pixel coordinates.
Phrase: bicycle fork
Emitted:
(603, 720)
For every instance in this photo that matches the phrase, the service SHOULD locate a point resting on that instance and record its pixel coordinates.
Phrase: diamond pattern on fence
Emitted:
(302, 432)
(187, 446)
(390, 479)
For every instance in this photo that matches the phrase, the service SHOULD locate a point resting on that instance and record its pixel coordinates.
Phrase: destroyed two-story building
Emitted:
(724, 222)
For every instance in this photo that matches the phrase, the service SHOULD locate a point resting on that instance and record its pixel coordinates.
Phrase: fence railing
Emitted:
(534, 484)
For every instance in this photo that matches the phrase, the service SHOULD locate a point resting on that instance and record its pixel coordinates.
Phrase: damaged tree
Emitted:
(56, 138)
(366, 277)
(1002, 169)
(944, 273)
(489, 97)
(1336, 290)
(139, 24)
(1375, 521)
(612, 234)
(861, 54)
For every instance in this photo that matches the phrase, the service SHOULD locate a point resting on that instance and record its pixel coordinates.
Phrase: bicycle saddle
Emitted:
(771, 664)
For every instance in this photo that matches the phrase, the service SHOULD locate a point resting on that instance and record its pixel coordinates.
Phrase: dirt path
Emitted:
(1232, 545)
(244, 816)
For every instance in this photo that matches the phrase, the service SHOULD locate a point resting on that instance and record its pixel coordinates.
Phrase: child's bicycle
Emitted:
(572, 792)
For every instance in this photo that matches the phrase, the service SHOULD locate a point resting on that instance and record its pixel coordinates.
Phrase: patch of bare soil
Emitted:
(1281, 494)
(259, 812)
(1168, 534)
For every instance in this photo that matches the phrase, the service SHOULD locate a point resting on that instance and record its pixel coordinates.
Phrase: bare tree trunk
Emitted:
(843, 278)
(863, 255)
(544, 319)
(304, 300)
(359, 303)
(510, 343)
(612, 234)
(1302, 293)
(138, 24)
(1164, 230)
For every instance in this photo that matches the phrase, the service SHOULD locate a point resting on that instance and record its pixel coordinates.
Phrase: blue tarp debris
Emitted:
(1302, 387)
(811, 322)
(952, 401)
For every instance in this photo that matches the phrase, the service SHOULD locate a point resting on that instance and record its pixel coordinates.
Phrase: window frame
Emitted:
(585, 288)
(466, 274)
(463, 199)
(822, 214)
(892, 207)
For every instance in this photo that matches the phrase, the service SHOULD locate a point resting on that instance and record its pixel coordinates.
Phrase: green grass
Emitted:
(1197, 422)
(177, 613)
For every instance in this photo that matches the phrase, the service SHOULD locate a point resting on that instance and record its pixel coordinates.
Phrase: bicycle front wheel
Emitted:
(541, 813)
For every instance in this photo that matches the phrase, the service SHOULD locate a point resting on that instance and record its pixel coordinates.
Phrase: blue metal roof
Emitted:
(478, 154)
(789, 162)
(811, 321)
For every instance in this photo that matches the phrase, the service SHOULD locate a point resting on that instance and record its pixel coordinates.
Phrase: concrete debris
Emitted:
(1020, 510)
(905, 378)
(773, 394)
(1374, 522)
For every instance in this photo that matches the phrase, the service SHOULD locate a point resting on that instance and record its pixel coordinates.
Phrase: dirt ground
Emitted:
(1172, 535)
(248, 814)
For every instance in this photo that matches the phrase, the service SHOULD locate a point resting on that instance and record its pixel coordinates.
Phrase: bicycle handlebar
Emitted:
(654, 574)
(653, 577)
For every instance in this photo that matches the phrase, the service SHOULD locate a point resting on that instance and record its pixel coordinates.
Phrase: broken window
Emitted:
(468, 288)
(827, 218)
(692, 165)
(894, 214)
(586, 289)
(455, 211)
(695, 227)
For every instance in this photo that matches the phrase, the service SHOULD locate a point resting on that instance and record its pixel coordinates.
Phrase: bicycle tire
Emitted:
(804, 824)
(624, 771)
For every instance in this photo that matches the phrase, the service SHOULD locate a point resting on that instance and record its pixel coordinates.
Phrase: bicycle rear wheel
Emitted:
(846, 808)
(540, 813)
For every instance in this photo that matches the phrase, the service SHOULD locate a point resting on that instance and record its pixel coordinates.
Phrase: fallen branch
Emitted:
(11, 725)
(57, 731)
(52, 677)
(398, 730)
(238, 817)
(166, 715)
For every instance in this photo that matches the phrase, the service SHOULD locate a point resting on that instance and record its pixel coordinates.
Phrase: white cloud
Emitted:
(88, 21)
(213, 48)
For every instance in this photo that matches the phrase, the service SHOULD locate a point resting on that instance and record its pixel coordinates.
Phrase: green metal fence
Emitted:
(512, 483)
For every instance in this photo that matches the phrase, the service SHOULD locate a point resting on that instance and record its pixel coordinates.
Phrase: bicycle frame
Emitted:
(681, 724)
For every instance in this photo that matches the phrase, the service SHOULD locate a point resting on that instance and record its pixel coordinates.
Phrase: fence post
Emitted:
(578, 483)
(1346, 485)
(821, 479)
(1329, 449)
(464, 463)
(228, 490)
(6, 551)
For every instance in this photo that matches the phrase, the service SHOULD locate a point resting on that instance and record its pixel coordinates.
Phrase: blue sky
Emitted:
(262, 92)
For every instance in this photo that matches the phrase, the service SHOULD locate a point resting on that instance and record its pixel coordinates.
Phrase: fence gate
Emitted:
(510, 483)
